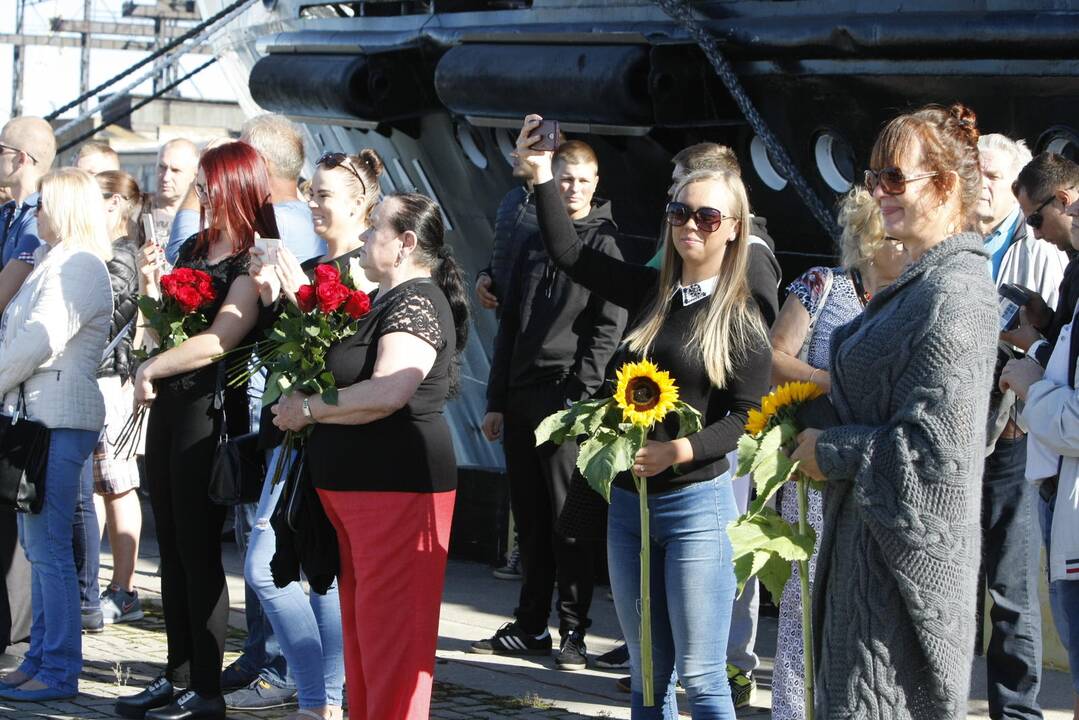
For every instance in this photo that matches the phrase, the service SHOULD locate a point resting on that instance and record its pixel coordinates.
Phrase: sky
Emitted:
(51, 77)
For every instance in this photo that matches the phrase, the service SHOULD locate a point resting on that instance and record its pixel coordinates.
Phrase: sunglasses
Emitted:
(892, 181)
(1035, 219)
(332, 160)
(17, 150)
(707, 219)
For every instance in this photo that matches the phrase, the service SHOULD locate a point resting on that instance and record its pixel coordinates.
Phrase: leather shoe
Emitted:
(191, 706)
(157, 694)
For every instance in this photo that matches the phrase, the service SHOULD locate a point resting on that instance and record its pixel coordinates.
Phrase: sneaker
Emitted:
(624, 684)
(120, 606)
(512, 640)
(235, 677)
(614, 660)
(92, 621)
(260, 695)
(572, 653)
(512, 569)
(743, 687)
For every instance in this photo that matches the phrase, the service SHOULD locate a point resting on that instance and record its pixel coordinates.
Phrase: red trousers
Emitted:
(393, 565)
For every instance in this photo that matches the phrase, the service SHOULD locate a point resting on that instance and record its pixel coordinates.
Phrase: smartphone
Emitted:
(148, 228)
(269, 247)
(1010, 298)
(548, 133)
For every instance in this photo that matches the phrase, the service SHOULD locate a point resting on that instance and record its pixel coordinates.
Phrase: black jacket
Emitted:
(764, 271)
(515, 223)
(553, 330)
(125, 290)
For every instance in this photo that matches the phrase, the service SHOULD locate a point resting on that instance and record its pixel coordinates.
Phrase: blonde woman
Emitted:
(52, 336)
(819, 301)
(694, 317)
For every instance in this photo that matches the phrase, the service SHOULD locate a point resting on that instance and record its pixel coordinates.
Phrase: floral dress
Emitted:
(840, 307)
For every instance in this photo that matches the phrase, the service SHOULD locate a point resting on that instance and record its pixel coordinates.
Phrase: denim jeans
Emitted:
(1010, 556)
(308, 628)
(692, 581)
(55, 654)
(262, 654)
(1063, 597)
(87, 540)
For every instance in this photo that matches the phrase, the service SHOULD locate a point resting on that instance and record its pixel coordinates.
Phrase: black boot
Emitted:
(157, 694)
(191, 706)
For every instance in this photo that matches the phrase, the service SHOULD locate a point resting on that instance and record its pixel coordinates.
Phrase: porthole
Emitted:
(507, 143)
(470, 142)
(1060, 140)
(766, 171)
(835, 161)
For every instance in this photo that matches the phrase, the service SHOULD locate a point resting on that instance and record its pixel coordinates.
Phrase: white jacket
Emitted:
(52, 335)
(1034, 264)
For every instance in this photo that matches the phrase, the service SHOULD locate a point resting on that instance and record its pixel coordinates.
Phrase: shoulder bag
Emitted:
(24, 459)
(239, 467)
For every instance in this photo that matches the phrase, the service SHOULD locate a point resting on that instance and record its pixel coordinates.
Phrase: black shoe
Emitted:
(615, 659)
(512, 640)
(234, 678)
(190, 706)
(157, 694)
(572, 653)
(93, 621)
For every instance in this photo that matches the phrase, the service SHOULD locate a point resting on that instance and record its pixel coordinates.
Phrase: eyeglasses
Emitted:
(4, 147)
(202, 192)
(708, 219)
(892, 181)
(332, 160)
(1035, 219)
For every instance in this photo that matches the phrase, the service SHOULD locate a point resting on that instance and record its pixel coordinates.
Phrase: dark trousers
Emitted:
(1010, 548)
(539, 480)
(180, 441)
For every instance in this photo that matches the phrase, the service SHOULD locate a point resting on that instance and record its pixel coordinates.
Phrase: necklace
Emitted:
(864, 296)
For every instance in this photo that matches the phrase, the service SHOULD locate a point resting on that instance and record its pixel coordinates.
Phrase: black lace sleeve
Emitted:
(414, 314)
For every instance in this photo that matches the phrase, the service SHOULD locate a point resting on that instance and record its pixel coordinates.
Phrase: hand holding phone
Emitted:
(268, 247)
(548, 133)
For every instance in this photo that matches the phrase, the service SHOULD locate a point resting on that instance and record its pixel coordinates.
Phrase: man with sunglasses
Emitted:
(1009, 537)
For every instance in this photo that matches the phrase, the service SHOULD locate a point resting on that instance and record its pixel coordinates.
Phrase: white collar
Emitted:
(697, 291)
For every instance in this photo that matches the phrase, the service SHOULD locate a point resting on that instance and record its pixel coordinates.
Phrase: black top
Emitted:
(270, 436)
(554, 331)
(410, 450)
(515, 223)
(222, 274)
(1067, 297)
(724, 410)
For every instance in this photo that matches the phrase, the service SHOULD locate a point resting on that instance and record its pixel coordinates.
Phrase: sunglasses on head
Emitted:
(707, 219)
(892, 181)
(1035, 219)
(332, 160)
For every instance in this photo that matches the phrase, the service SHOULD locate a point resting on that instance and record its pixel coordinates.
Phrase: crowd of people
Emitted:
(950, 428)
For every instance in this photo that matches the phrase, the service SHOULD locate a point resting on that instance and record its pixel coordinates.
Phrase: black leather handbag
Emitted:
(24, 459)
(239, 466)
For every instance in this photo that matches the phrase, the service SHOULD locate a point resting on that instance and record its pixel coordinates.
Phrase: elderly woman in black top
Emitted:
(391, 510)
(695, 318)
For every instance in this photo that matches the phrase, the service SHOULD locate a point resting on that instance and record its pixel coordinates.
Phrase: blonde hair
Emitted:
(75, 211)
(863, 229)
(732, 325)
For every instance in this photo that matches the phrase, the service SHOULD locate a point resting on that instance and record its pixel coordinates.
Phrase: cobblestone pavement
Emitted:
(124, 657)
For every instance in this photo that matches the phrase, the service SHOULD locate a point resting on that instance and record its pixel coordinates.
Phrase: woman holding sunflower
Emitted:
(696, 319)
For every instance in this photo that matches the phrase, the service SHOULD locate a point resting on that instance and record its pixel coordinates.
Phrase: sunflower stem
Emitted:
(647, 683)
(807, 600)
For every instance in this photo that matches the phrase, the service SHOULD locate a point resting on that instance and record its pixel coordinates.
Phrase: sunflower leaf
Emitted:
(554, 423)
(602, 457)
(768, 486)
(770, 534)
(689, 419)
(747, 453)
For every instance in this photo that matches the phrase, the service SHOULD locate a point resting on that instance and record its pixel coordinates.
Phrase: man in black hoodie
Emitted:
(553, 344)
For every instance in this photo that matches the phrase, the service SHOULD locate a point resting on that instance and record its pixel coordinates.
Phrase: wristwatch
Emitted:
(307, 409)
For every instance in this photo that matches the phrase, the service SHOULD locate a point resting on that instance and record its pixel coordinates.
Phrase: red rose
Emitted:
(305, 297)
(182, 275)
(188, 298)
(327, 274)
(358, 304)
(331, 296)
(168, 284)
(204, 284)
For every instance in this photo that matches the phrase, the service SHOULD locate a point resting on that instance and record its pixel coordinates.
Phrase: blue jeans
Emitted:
(692, 593)
(1063, 597)
(262, 654)
(87, 539)
(55, 654)
(1010, 556)
(307, 627)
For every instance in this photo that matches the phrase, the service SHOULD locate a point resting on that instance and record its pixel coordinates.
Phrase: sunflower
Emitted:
(645, 393)
(792, 393)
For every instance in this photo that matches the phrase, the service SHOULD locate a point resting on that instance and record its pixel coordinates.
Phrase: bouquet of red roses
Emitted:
(294, 350)
(177, 314)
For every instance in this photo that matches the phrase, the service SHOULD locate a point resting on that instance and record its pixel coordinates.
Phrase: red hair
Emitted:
(238, 193)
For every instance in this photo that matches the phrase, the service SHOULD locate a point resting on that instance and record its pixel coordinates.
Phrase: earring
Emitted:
(399, 260)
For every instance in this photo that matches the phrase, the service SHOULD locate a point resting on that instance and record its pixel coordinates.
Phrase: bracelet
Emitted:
(815, 371)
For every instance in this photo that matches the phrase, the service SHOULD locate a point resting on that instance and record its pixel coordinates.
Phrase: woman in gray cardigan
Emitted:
(894, 602)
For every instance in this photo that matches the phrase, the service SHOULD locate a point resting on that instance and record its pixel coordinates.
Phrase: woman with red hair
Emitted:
(181, 385)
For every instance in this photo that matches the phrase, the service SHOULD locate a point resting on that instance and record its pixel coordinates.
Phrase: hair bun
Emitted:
(371, 160)
(967, 121)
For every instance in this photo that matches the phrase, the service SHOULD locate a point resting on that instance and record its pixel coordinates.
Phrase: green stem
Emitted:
(283, 458)
(807, 600)
(646, 596)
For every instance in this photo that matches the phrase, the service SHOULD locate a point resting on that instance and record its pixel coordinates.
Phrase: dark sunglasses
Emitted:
(332, 160)
(708, 219)
(892, 181)
(1035, 219)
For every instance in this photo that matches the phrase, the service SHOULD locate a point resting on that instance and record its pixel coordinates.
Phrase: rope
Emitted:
(175, 43)
(680, 12)
(90, 133)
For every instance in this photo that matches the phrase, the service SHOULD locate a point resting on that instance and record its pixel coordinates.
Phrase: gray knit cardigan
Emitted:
(894, 601)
